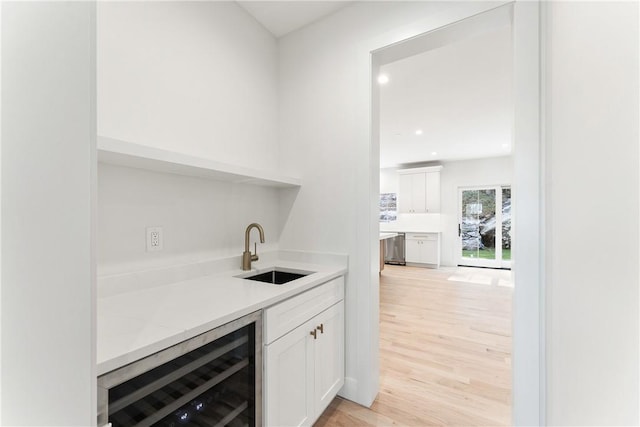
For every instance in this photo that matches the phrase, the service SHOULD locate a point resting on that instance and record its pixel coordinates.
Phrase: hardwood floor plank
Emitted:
(445, 351)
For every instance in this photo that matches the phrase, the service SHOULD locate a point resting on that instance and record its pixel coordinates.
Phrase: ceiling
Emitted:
(283, 17)
(458, 95)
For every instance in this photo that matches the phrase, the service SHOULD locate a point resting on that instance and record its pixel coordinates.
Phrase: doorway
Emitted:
(484, 227)
(528, 341)
(445, 122)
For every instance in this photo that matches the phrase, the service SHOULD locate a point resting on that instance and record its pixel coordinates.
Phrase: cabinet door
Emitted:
(430, 252)
(432, 191)
(405, 196)
(412, 250)
(289, 372)
(329, 356)
(422, 248)
(418, 192)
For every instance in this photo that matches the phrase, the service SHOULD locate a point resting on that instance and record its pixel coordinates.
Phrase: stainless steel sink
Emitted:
(277, 276)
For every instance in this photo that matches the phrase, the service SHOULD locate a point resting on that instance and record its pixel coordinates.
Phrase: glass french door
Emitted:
(484, 227)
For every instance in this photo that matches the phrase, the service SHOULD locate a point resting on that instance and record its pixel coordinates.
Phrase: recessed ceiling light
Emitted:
(433, 153)
(419, 132)
(383, 79)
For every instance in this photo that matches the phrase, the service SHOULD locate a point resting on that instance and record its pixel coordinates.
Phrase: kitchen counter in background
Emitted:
(421, 244)
(409, 230)
(142, 318)
(383, 237)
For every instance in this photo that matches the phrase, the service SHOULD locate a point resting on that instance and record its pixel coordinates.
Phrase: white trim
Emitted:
(528, 307)
(93, 209)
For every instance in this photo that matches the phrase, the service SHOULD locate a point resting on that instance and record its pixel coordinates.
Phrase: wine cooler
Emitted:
(214, 379)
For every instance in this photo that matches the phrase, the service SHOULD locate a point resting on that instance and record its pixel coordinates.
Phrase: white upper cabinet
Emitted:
(412, 197)
(432, 192)
(419, 190)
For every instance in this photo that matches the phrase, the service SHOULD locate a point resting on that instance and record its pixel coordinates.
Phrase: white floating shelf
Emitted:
(117, 152)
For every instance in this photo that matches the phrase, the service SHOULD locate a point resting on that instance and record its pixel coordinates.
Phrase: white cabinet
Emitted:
(432, 191)
(419, 190)
(412, 197)
(422, 248)
(328, 356)
(304, 366)
(289, 370)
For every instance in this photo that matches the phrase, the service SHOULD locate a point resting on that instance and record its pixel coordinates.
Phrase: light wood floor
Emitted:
(445, 351)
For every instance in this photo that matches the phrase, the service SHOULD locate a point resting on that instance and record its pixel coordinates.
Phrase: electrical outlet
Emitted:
(154, 239)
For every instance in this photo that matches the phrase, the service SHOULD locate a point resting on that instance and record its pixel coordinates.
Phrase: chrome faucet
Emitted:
(247, 256)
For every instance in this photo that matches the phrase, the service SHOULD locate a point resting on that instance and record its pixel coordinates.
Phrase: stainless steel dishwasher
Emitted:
(394, 250)
(213, 379)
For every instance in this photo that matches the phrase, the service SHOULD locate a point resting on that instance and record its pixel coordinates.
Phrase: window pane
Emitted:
(478, 228)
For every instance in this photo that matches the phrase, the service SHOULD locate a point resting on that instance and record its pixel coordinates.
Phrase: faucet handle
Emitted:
(254, 257)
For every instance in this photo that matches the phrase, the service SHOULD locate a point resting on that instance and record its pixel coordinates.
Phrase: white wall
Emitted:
(48, 157)
(199, 78)
(201, 219)
(592, 176)
(389, 180)
(325, 72)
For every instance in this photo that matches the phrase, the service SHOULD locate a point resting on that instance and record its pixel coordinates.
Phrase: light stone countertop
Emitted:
(133, 325)
(384, 236)
(413, 230)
